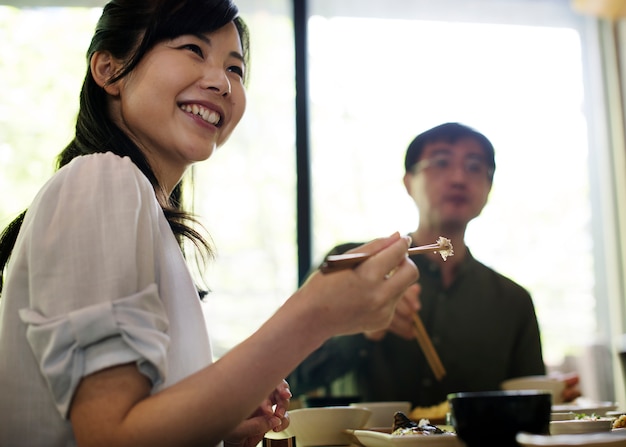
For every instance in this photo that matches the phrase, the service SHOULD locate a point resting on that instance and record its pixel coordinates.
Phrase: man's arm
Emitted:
(333, 359)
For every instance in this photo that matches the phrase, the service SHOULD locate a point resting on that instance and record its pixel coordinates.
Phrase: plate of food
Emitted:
(405, 432)
(378, 438)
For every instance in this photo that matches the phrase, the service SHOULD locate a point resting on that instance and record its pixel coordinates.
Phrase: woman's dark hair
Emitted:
(128, 29)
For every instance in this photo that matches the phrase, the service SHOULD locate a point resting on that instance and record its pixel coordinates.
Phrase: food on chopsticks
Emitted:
(434, 412)
(403, 426)
(445, 247)
(334, 263)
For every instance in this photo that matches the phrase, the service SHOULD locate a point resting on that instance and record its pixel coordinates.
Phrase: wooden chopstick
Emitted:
(427, 347)
(333, 263)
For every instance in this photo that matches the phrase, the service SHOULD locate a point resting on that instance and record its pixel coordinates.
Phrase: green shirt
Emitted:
(483, 327)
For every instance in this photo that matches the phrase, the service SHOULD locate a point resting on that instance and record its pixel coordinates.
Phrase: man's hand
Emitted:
(572, 390)
(402, 322)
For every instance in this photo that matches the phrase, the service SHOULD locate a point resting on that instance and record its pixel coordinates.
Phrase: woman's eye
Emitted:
(194, 48)
(237, 70)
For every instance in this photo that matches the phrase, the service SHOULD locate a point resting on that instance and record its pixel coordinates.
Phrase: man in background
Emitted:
(482, 324)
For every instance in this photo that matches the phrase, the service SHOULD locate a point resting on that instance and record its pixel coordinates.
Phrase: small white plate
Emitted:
(575, 426)
(373, 438)
(608, 439)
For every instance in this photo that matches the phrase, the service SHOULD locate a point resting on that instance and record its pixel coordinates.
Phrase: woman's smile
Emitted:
(210, 116)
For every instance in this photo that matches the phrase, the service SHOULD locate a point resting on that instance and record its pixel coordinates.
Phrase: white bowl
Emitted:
(382, 412)
(325, 425)
(554, 385)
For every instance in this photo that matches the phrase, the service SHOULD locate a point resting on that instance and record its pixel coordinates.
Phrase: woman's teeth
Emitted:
(207, 115)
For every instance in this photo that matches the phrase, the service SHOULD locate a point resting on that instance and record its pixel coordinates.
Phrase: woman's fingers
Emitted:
(388, 254)
(270, 415)
(280, 398)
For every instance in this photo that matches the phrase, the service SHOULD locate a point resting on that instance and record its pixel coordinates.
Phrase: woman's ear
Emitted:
(103, 67)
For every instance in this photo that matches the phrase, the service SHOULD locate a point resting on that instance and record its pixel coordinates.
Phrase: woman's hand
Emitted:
(363, 298)
(270, 415)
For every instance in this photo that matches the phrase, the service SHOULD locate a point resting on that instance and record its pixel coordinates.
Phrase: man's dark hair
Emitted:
(450, 133)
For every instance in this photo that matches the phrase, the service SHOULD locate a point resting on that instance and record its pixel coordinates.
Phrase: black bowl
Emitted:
(495, 417)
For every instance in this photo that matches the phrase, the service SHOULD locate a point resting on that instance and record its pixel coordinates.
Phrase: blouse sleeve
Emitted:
(90, 241)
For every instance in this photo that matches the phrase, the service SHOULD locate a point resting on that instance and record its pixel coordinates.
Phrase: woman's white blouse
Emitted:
(96, 279)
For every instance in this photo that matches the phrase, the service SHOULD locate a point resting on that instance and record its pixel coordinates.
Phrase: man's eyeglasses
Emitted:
(474, 168)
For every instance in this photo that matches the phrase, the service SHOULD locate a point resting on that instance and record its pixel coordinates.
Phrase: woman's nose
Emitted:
(217, 81)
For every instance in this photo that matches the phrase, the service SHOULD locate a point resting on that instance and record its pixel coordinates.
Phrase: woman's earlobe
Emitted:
(103, 67)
